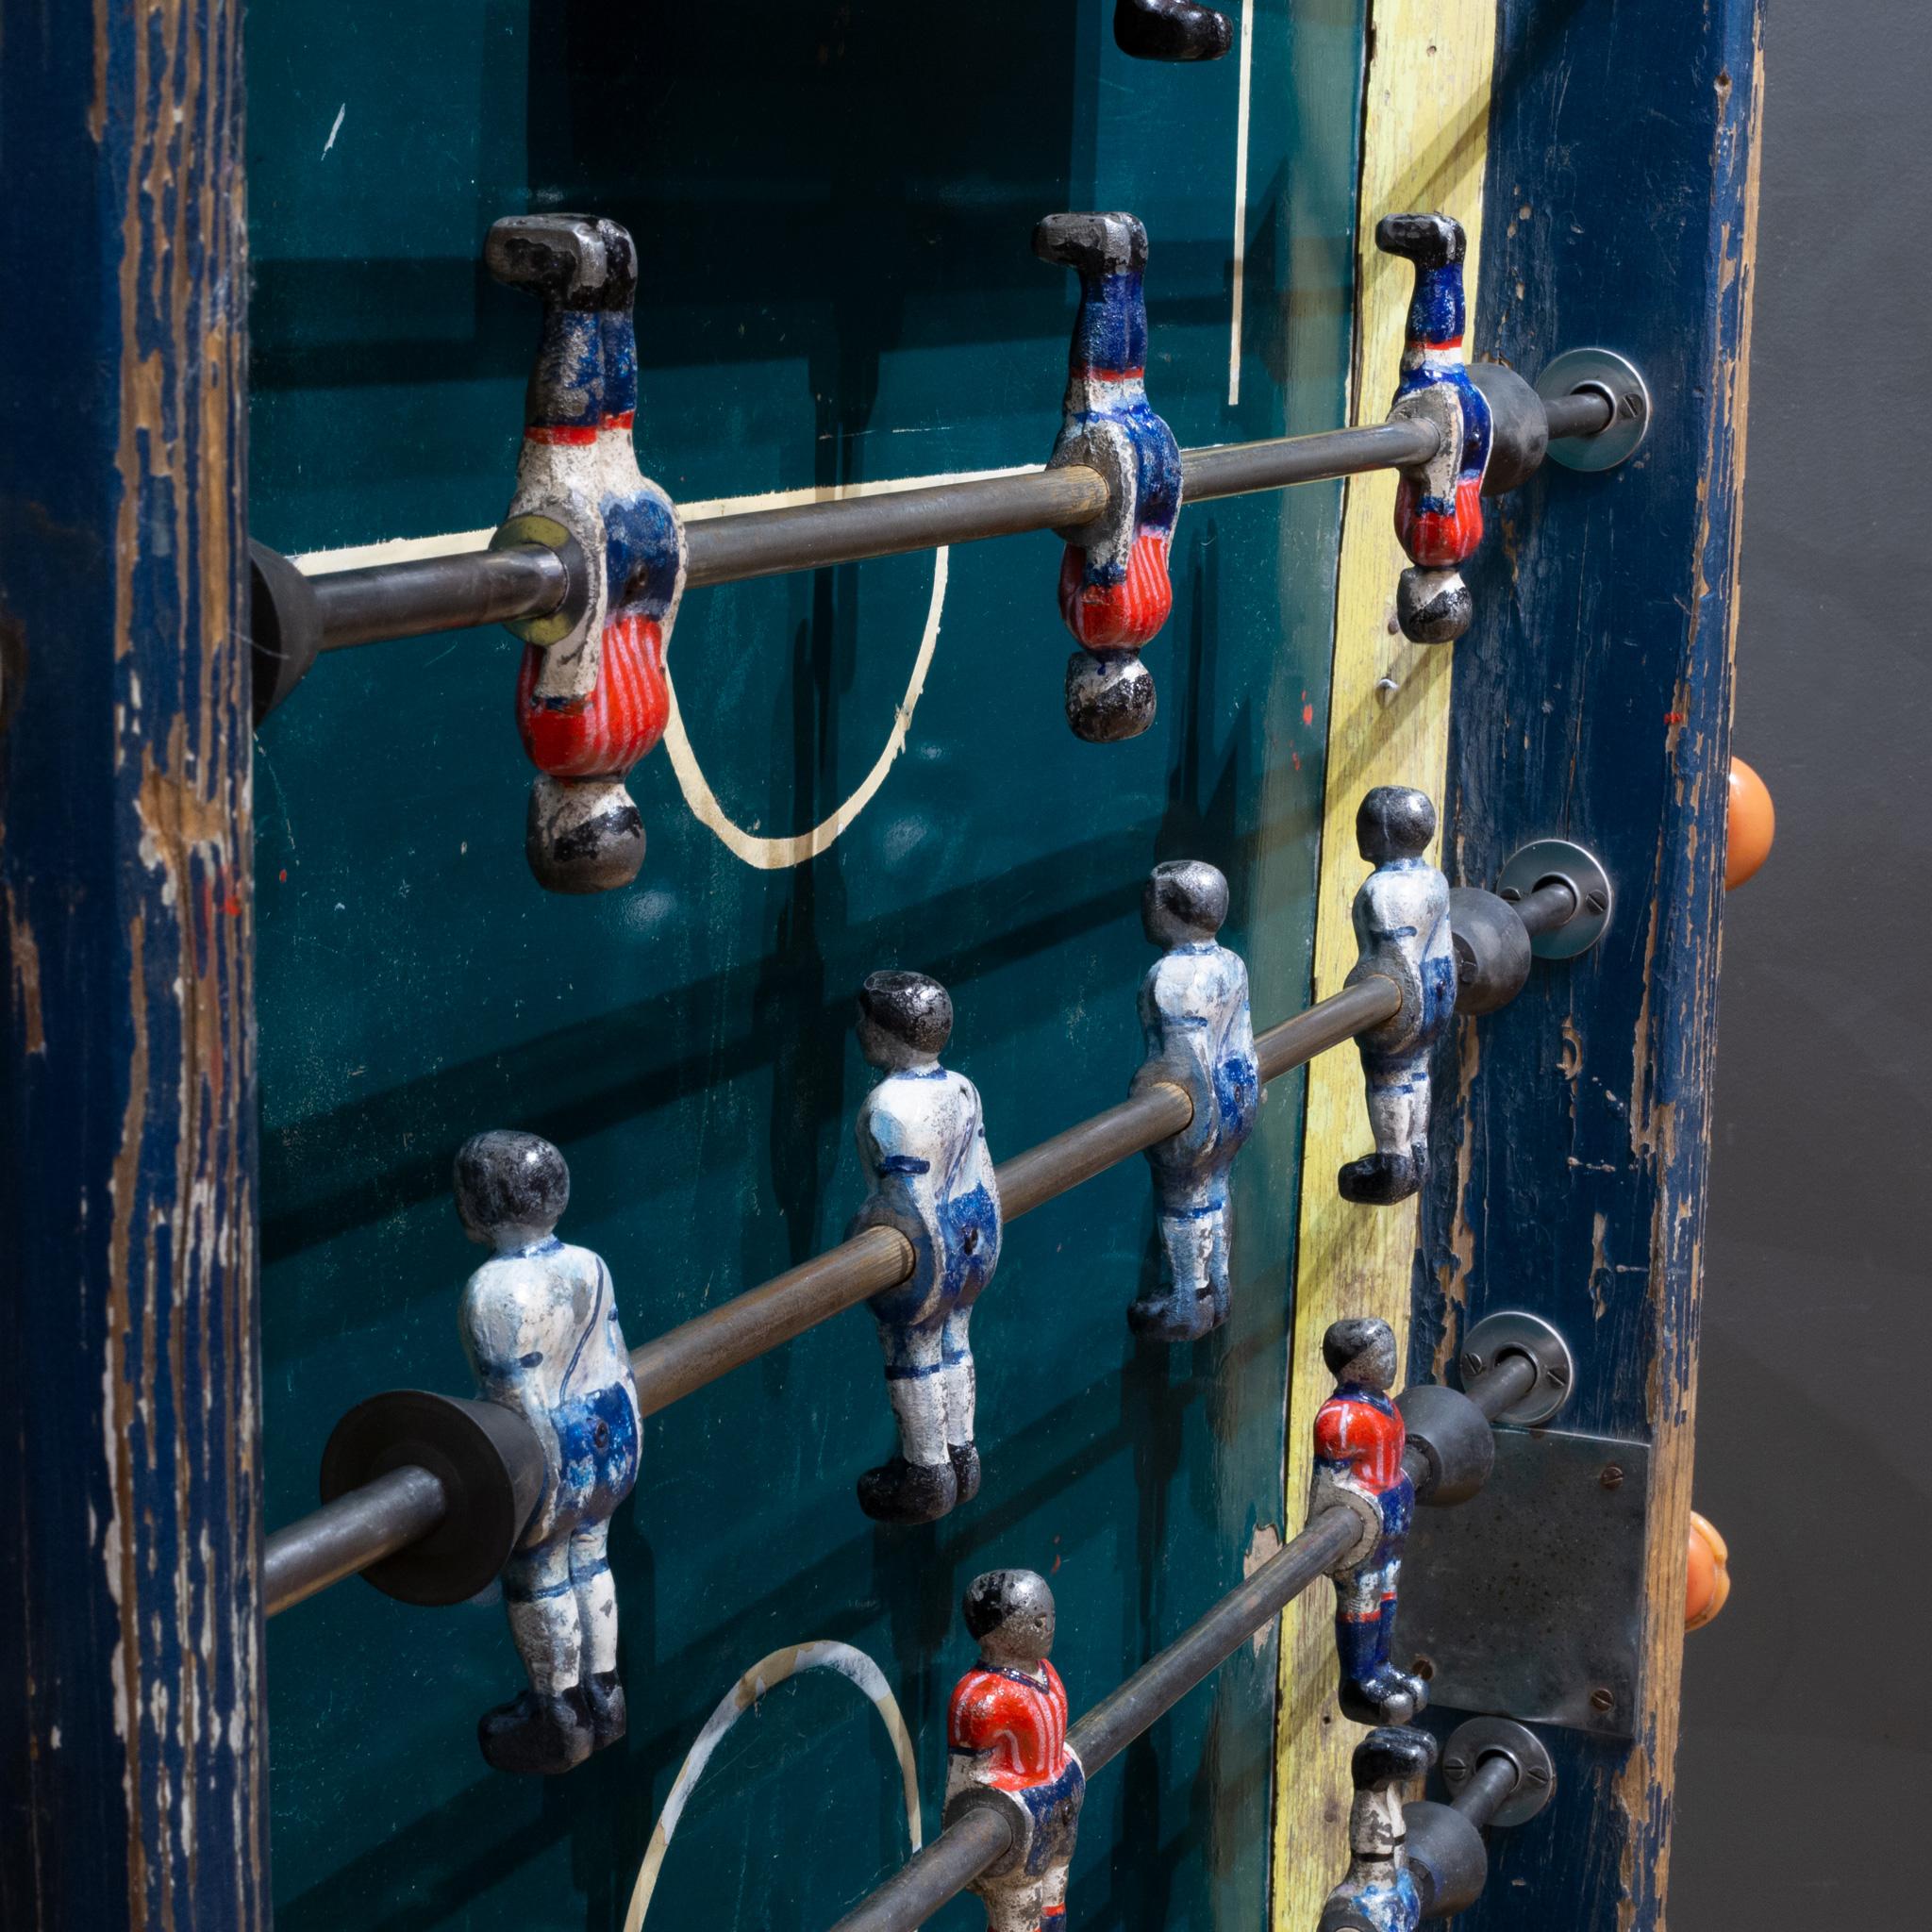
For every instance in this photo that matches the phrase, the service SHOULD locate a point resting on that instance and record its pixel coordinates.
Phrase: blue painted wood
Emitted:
(131, 1749)
(1592, 700)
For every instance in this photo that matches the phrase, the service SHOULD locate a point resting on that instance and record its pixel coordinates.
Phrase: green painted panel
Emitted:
(833, 204)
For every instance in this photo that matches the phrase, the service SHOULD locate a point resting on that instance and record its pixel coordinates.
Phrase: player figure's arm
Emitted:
(1179, 1035)
(510, 1369)
(899, 1170)
(1391, 947)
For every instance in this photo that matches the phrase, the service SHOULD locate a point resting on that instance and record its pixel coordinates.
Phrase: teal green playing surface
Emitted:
(833, 205)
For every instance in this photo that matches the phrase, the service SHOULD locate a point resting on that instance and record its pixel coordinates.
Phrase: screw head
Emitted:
(1510, 895)
(1611, 1475)
(1602, 1699)
(1472, 1362)
(1596, 903)
(1454, 1767)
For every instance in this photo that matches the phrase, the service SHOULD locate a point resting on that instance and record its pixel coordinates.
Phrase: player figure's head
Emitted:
(905, 1020)
(512, 1188)
(1360, 1348)
(1394, 821)
(1183, 903)
(1009, 1613)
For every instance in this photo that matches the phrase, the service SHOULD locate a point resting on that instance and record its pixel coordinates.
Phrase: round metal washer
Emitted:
(1620, 379)
(1517, 1332)
(1544, 859)
(1489, 1737)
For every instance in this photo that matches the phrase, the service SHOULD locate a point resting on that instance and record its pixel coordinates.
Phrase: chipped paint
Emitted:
(132, 1099)
(1598, 1172)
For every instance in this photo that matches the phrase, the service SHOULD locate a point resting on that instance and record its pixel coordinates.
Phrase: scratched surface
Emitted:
(836, 286)
(1571, 1183)
(131, 1760)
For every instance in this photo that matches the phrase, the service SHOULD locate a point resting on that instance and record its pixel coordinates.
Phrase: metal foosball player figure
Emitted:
(591, 694)
(1170, 30)
(1439, 506)
(1358, 1442)
(1199, 1037)
(1006, 1746)
(1115, 593)
(540, 1325)
(922, 1137)
(1402, 933)
(1379, 1895)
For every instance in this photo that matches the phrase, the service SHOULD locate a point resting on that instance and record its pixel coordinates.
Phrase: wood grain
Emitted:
(131, 1742)
(1425, 116)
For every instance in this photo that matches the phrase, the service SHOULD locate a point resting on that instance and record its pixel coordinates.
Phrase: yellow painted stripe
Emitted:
(1425, 140)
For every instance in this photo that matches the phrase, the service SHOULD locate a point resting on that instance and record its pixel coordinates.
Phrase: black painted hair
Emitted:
(1348, 1341)
(508, 1179)
(1190, 890)
(909, 1007)
(1000, 1595)
(1394, 821)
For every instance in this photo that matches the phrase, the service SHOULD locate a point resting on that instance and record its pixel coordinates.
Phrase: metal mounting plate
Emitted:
(1529, 1599)
(1617, 377)
(1530, 865)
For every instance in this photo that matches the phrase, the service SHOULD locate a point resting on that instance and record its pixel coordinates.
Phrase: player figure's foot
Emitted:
(901, 1492)
(1379, 1180)
(1433, 607)
(1171, 1318)
(1384, 1696)
(965, 1460)
(539, 1736)
(604, 1698)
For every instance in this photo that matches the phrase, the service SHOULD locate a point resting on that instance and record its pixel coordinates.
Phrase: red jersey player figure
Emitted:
(1006, 1741)
(1359, 1444)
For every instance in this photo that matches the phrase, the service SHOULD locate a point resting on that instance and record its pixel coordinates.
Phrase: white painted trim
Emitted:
(853, 1665)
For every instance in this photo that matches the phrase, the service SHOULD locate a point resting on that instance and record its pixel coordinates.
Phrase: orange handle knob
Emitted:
(1707, 1583)
(1753, 825)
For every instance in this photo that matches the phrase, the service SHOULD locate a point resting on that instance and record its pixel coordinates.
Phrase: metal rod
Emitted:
(434, 594)
(1582, 412)
(1328, 1022)
(809, 535)
(685, 1358)
(696, 1352)
(1502, 1385)
(1160, 1684)
(345, 1537)
(965, 1849)
(1489, 1785)
(1552, 905)
(962, 1851)
(399, 600)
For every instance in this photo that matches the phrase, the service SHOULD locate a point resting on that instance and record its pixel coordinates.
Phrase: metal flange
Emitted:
(1480, 1737)
(1544, 859)
(1517, 1332)
(1621, 383)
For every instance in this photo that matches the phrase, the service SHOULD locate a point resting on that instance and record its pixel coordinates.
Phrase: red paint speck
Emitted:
(232, 907)
(1297, 758)
(283, 876)
(1675, 717)
(1307, 714)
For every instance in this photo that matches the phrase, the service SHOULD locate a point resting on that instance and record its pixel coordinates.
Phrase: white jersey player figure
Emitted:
(1402, 930)
(922, 1140)
(540, 1325)
(1195, 1017)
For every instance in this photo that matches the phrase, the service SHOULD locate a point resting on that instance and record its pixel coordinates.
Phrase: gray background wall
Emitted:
(1806, 1705)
